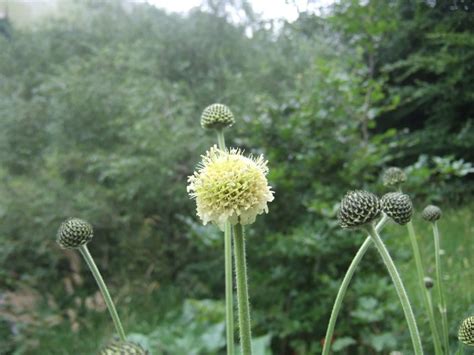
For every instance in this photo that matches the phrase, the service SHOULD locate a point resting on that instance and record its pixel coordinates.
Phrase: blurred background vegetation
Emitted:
(99, 119)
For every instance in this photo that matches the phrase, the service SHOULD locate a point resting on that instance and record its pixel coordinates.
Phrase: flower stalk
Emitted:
(242, 291)
(396, 177)
(75, 233)
(397, 282)
(229, 289)
(221, 139)
(439, 284)
(103, 289)
(345, 284)
(423, 290)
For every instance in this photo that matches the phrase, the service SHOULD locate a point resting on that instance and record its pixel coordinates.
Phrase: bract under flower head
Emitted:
(229, 186)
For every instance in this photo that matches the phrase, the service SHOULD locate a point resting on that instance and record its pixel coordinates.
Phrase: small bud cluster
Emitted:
(73, 233)
(431, 213)
(217, 116)
(397, 206)
(429, 283)
(358, 208)
(394, 177)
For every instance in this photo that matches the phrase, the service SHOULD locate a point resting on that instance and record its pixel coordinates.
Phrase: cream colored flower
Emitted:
(230, 186)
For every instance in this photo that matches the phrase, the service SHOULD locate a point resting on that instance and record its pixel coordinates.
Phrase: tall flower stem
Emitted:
(242, 291)
(424, 292)
(345, 284)
(103, 288)
(229, 290)
(402, 294)
(439, 286)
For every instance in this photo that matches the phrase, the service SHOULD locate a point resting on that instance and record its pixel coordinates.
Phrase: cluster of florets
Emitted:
(229, 186)
(359, 208)
(394, 177)
(397, 206)
(431, 213)
(74, 233)
(217, 116)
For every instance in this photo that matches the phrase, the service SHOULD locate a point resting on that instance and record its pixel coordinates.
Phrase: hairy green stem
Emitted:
(220, 139)
(345, 284)
(402, 294)
(242, 291)
(424, 292)
(229, 290)
(103, 289)
(439, 287)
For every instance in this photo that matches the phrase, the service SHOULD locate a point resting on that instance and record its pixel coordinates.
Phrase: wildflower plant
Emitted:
(231, 190)
(360, 209)
(218, 117)
(396, 177)
(75, 233)
(346, 281)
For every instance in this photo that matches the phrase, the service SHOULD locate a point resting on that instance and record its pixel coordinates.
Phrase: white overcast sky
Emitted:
(269, 9)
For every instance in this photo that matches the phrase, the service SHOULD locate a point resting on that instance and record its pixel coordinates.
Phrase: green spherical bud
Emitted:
(466, 331)
(397, 206)
(429, 283)
(73, 233)
(120, 348)
(394, 176)
(217, 116)
(358, 208)
(431, 213)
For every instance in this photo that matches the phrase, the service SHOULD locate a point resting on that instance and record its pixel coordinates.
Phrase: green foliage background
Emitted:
(99, 119)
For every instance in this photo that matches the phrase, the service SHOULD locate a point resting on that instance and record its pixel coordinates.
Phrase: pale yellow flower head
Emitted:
(229, 186)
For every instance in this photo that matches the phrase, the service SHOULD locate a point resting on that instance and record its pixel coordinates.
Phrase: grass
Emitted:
(457, 231)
